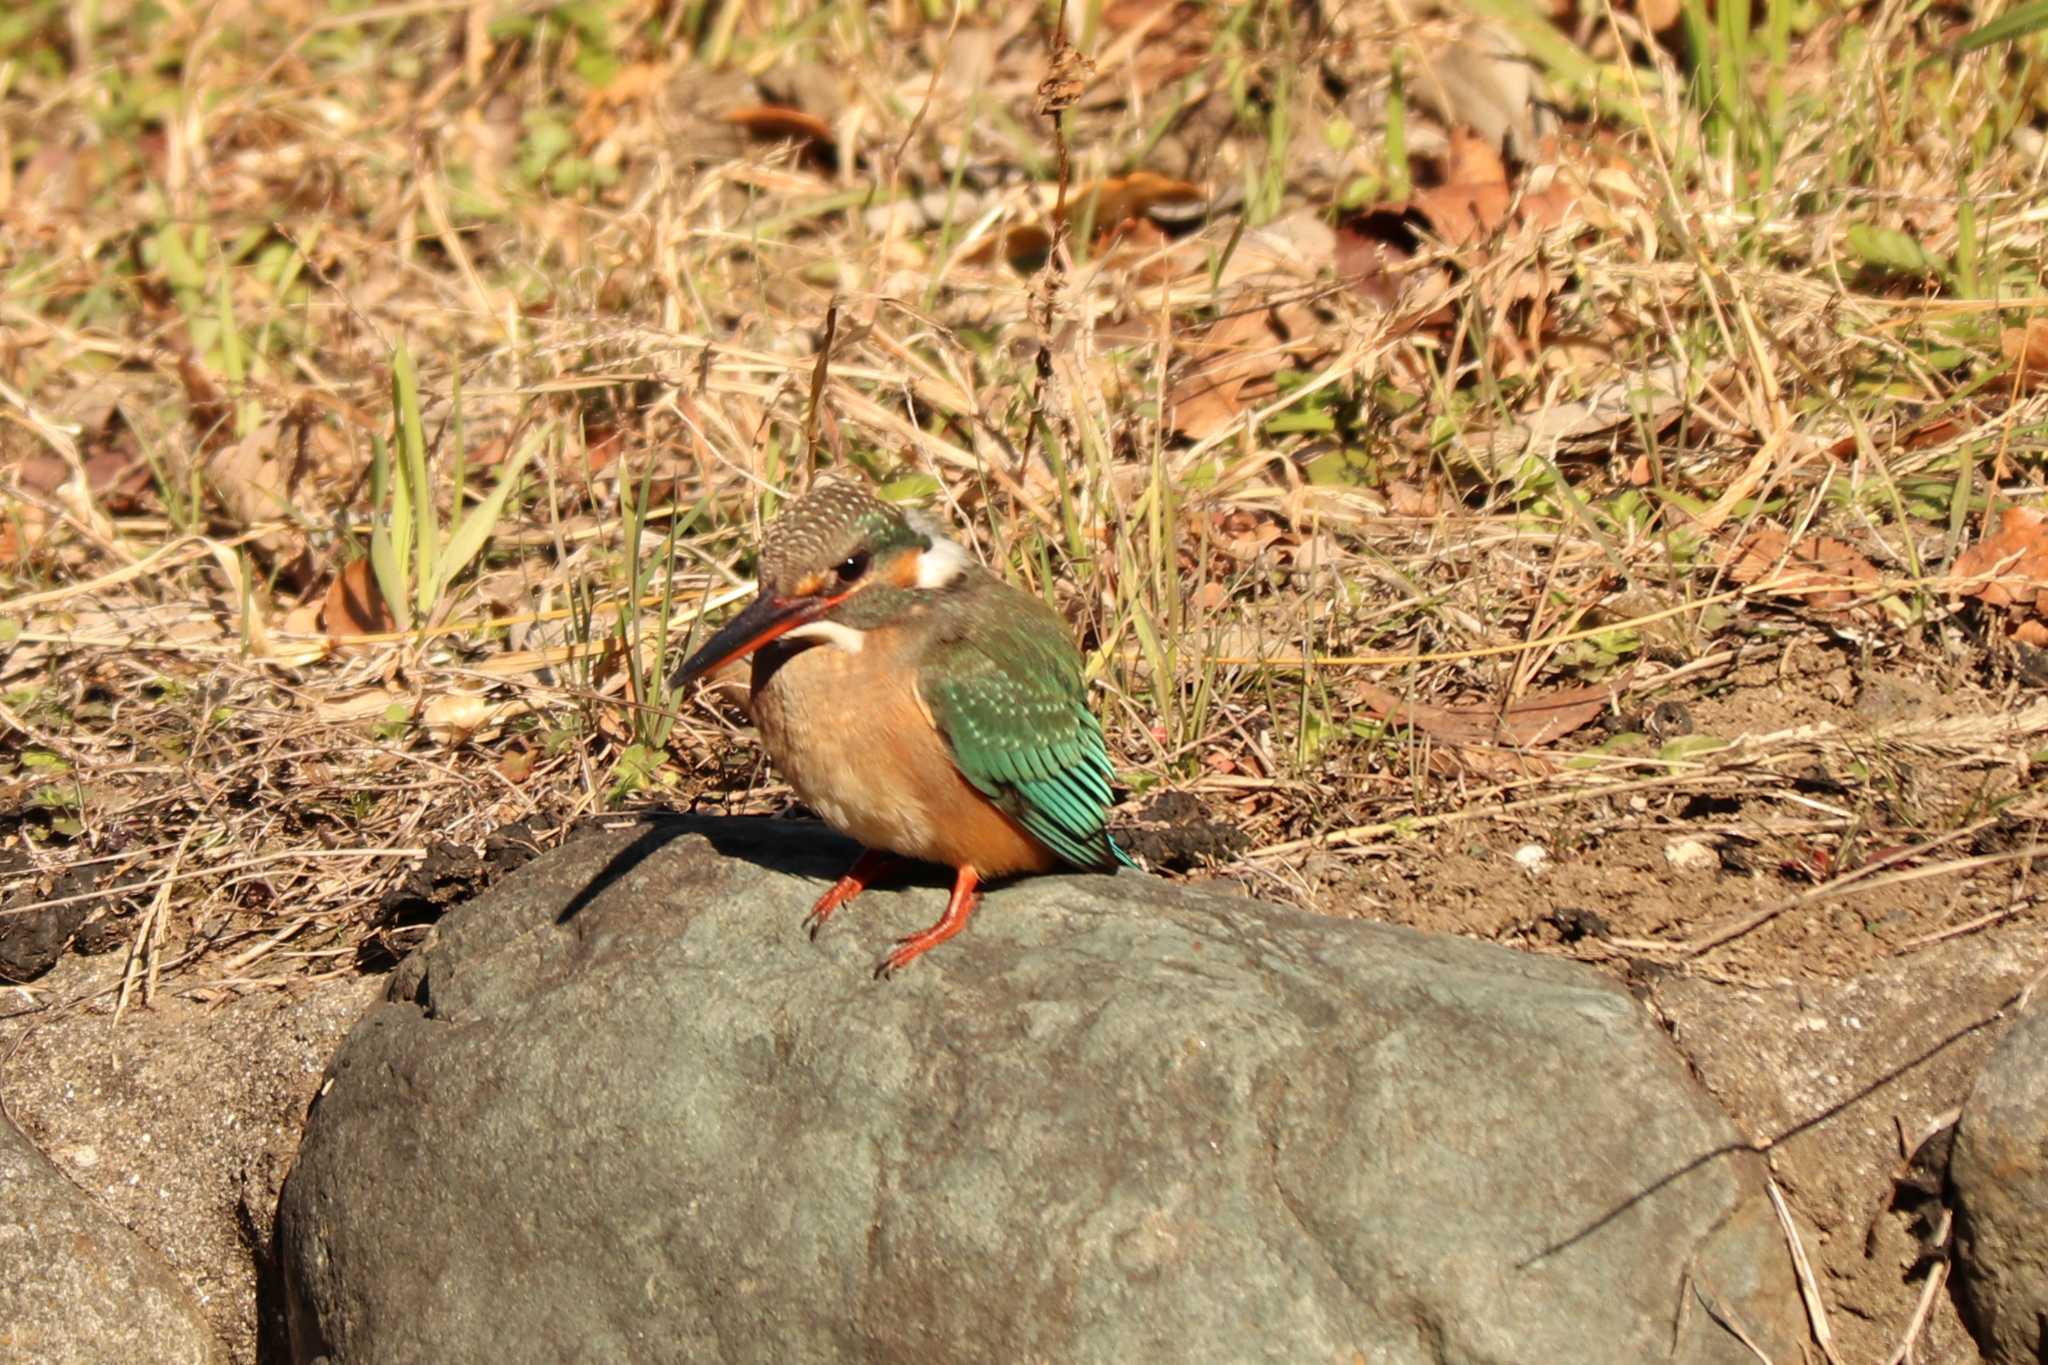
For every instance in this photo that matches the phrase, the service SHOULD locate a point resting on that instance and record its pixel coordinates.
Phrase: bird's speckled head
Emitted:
(837, 563)
(837, 524)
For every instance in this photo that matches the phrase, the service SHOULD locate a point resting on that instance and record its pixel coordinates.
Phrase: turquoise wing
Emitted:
(1007, 695)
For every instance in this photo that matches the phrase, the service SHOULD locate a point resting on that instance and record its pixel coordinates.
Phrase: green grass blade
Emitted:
(2012, 24)
(412, 472)
(390, 536)
(476, 528)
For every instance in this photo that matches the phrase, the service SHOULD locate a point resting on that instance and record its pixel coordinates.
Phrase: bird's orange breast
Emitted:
(849, 733)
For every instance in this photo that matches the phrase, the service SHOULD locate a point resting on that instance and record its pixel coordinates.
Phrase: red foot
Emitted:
(950, 923)
(867, 869)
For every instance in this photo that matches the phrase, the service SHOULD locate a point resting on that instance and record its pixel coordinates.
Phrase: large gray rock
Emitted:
(1998, 1170)
(77, 1288)
(623, 1110)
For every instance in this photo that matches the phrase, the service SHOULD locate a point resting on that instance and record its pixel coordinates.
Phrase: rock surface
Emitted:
(180, 1119)
(620, 1108)
(77, 1288)
(1831, 1072)
(1998, 1172)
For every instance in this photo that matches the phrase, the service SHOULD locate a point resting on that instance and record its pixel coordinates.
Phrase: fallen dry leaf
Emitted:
(1408, 499)
(41, 472)
(2026, 350)
(252, 485)
(1825, 574)
(1369, 251)
(1116, 212)
(1469, 203)
(1106, 203)
(517, 763)
(1025, 247)
(1658, 15)
(1160, 41)
(453, 718)
(1532, 721)
(354, 606)
(373, 703)
(1233, 351)
(1472, 197)
(1485, 81)
(2009, 567)
(775, 122)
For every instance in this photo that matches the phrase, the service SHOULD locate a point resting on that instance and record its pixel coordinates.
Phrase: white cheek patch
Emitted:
(834, 633)
(941, 564)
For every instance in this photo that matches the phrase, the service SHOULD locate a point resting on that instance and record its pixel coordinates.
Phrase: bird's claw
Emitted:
(906, 951)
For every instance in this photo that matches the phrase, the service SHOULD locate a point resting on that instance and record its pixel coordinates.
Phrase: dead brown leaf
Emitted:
(1025, 247)
(2026, 350)
(1826, 575)
(1408, 499)
(1471, 204)
(1658, 15)
(41, 472)
(1165, 40)
(1115, 212)
(1232, 352)
(1531, 722)
(1486, 82)
(1106, 203)
(354, 606)
(2009, 567)
(1472, 197)
(208, 409)
(780, 123)
(250, 482)
(1370, 249)
(517, 763)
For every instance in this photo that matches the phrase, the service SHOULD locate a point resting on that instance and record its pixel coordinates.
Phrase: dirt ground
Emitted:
(1836, 1032)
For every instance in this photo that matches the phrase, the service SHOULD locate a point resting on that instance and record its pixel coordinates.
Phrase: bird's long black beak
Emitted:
(764, 619)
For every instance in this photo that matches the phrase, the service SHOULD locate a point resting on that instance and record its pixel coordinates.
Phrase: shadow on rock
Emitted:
(797, 848)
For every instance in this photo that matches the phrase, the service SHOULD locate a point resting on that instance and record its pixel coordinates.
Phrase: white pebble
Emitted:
(1691, 855)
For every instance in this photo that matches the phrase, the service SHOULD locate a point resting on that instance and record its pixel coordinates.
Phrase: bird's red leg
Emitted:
(950, 923)
(870, 867)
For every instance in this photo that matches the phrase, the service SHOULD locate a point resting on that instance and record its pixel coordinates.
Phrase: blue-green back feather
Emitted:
(1006, 691)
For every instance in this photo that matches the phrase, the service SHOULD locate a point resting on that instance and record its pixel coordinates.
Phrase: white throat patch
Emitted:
(833, 633)
(942, 564)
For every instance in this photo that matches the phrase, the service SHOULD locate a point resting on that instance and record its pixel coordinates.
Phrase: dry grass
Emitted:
(1499, 462)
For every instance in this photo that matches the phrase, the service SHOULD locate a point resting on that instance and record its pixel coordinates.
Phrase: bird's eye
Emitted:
(853, 566)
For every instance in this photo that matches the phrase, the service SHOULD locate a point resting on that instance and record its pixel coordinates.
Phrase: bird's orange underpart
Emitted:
(950, 923)
(867, 869)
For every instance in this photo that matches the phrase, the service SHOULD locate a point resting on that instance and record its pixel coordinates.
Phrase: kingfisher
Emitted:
(918, 703)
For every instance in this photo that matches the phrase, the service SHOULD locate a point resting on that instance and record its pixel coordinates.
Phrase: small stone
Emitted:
(1691, 856)
(1533, 859)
